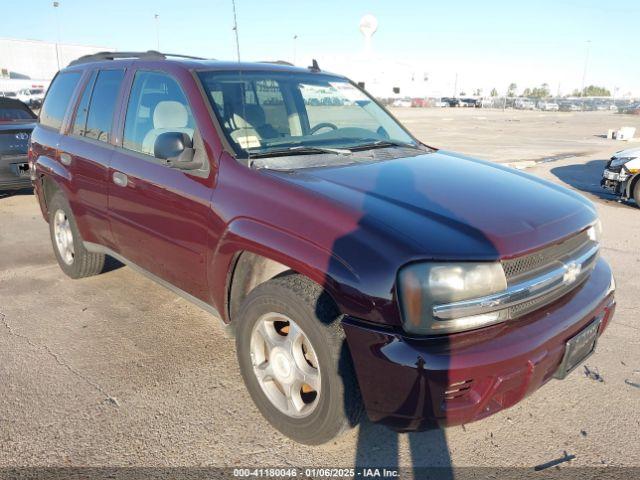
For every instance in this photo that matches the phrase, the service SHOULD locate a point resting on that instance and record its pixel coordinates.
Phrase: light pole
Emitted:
(55, 9)
(586, 63)
(295, 38)
(156, 18)
(235, 28)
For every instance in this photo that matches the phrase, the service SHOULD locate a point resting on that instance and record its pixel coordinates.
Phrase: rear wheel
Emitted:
(294, 360)
(73, 258)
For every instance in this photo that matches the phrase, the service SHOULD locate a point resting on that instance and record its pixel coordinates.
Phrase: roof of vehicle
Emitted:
(103, 59)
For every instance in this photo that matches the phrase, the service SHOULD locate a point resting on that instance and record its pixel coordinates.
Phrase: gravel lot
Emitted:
(116, 371)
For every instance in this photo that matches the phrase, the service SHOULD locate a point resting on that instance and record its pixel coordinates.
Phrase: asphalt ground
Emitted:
(114, 370)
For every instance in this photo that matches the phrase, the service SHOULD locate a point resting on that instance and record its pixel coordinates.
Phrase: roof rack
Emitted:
(148, 55)
(278, 62)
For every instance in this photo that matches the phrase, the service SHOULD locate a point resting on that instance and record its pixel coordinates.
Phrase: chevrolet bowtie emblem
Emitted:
(571, 274)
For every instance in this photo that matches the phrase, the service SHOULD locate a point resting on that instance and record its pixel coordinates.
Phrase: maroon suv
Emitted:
(357, 266)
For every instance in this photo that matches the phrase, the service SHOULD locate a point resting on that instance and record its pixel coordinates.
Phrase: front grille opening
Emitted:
(528, 266)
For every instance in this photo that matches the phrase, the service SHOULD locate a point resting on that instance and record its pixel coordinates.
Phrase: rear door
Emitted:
(159, 215)
(87, 149)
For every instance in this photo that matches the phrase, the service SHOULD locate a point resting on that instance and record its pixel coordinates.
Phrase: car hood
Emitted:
(628, 153)
(449, 206)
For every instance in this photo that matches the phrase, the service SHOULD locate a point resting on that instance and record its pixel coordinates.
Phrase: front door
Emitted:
(159, 215)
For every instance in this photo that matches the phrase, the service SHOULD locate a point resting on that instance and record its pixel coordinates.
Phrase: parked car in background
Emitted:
(569, 107)
(548, 106)
(524, 104)
(452, 101)
(16, 123)
(419, 102)
(440, 103)
(621, 175)
(402, 102)
(633, 108)
(468, 102)
(31, 96)
(9, 94)
(340, 249)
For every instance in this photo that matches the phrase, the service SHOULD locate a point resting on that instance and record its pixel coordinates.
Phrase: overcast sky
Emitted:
(488, 44)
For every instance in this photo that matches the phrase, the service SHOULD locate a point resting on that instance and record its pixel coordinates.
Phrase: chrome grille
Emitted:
(532, 305)
(526, 266)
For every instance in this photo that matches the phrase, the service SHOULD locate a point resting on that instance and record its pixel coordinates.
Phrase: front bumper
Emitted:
(615, 182)
(412, 384)
(14, 173)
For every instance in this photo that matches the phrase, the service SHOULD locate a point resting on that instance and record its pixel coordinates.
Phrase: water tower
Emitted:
(368, 26)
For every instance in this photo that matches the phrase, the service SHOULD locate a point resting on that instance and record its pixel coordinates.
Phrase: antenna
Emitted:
(235, 28)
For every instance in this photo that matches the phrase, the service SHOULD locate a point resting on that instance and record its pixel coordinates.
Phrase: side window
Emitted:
(58, 98)
(157, 105)
(80, 123)
(102, 104)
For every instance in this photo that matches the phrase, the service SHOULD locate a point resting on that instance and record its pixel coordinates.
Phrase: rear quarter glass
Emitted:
(58, 98)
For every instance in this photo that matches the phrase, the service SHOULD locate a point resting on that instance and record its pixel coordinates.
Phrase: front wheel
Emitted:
(294, 360)
(636, 193)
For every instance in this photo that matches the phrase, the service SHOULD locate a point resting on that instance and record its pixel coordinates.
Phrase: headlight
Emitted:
(423, 285)
(616, 162)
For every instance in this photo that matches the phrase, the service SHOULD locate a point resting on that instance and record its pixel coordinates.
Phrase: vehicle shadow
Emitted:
(405, 384)
(111, 264)
(15, 193)
(585, 177)
(379, 447)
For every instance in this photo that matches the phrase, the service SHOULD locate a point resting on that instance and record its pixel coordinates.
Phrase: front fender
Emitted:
(301, 255)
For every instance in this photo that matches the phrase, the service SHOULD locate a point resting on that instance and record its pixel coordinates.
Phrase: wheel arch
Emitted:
(251, 253)
(631, 187)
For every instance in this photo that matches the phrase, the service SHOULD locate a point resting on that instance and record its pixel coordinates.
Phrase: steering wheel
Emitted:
(321, 126)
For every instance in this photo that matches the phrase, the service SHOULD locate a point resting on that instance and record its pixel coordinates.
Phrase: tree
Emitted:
(594, 91)
(477, 92)
(511, 92)
(526, 92)
(494, 92)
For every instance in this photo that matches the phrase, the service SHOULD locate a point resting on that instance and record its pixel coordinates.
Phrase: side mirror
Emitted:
(176, 149)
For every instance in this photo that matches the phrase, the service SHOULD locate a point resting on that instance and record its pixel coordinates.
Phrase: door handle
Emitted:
(65, 158)
(120, 179)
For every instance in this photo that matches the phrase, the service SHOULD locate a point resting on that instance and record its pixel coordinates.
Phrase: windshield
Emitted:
(264, 112)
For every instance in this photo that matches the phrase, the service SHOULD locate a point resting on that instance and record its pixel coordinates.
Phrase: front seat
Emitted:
(168, 116)
(252, 116)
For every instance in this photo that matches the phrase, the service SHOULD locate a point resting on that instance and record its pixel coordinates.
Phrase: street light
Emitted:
(156, 17)
(235, 28)
(295, 37)
(55, 9)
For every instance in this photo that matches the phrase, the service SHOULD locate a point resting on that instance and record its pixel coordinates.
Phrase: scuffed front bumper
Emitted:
(616, 182)
(414, 384)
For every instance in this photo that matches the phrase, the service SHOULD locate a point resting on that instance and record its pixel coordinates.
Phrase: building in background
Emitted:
(27, 63)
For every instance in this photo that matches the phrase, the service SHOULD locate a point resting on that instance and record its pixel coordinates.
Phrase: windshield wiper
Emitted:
(299, 150)
(386, 143)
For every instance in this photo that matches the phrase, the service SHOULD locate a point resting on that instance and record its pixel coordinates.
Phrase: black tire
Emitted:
(84, 263)
(636, 192)
(339, 404)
